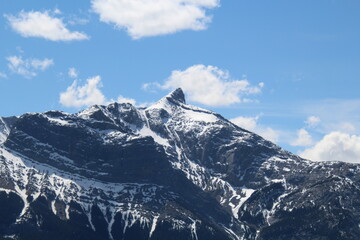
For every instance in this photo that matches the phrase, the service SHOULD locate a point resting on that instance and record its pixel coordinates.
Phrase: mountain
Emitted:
(168, 171)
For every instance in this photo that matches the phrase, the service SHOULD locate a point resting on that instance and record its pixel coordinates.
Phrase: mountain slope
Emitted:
(169, 171)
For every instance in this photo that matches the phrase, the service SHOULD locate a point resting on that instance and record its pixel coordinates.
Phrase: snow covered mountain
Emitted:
(169, 171)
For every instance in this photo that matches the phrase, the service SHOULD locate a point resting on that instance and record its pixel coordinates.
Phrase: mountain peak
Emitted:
(109, 167)
(177, 95)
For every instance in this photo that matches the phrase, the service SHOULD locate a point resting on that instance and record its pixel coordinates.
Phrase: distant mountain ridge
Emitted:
(168, 171)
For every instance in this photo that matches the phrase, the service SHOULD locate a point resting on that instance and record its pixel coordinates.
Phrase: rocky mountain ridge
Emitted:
(169, 171)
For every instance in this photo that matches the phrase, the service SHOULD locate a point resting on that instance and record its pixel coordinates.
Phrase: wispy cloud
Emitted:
(79, 20)
(41, 64)
(28, 68)
(209, 85)
(43, 25)
(155, 17)
(73, 73)
(312, 121)
(335, 114)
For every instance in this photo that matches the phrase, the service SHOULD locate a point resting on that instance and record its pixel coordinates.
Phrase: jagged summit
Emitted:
(177, 95)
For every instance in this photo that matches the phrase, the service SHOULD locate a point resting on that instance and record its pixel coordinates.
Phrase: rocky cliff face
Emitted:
(169, 171)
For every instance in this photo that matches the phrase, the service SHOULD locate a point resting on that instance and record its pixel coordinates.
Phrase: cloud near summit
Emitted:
(79, 95)
(144, 18)
(85, 95)
(209, 85)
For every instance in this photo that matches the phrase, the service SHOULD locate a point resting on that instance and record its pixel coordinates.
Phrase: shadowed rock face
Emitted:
(170, 171)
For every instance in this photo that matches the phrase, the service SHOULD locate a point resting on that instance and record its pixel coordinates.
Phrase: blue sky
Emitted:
(288, 70)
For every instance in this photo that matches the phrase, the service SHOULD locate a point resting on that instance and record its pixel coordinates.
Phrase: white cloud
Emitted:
(143, 18)
(41, 64)
(248, 123)
(57, 11)
(28, 68)
(73, 73)
(269, 133)
(312, 121)
(335, 146)
(74, 20)
(303, 138)
(251, 124)
(43, 25)
(209, 85)
(86, 95)
(122, 99)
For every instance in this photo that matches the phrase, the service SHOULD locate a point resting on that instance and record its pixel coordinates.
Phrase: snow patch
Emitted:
(67, 212)
(53, 207)
(248, 192)
(4, 131)
(153, 225)
(193, 229)
(200, 116)
(60, 122)
(147, 132)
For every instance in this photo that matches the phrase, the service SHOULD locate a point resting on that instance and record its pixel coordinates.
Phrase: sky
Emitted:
(286, 70)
